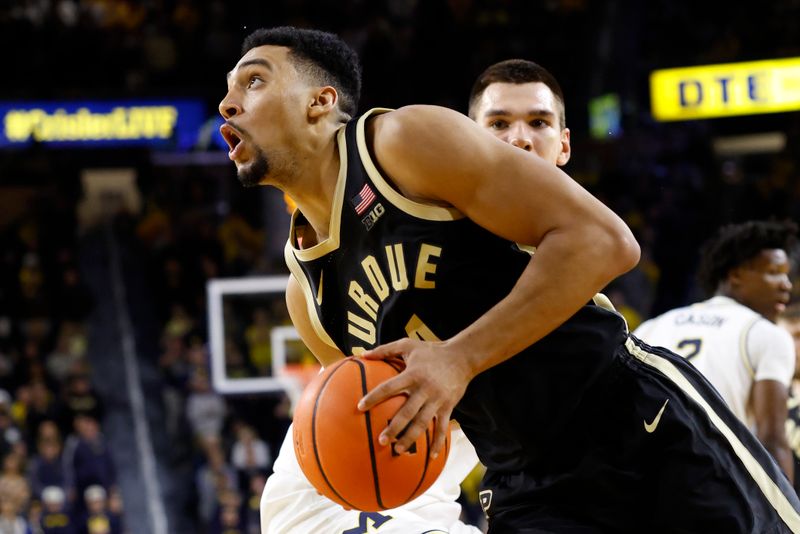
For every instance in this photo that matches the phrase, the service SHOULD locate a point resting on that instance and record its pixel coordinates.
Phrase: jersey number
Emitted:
(689, 348)
(367, 520)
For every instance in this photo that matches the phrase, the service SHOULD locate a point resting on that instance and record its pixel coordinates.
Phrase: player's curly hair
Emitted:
(735, 244)
(321, 55)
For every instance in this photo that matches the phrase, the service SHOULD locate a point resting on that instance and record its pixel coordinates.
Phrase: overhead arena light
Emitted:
(739, 145)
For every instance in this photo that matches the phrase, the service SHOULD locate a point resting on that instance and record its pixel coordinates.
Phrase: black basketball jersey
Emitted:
(394, 268)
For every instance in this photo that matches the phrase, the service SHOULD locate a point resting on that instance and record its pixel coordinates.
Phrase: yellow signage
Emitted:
(725, 90)
(173, 124)
(136, 122)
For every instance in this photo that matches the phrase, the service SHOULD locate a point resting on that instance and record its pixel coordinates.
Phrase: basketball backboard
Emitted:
(253, 346)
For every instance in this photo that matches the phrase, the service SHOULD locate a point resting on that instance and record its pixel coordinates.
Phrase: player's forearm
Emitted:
(564, 274)
(778, 446)
(783, 455)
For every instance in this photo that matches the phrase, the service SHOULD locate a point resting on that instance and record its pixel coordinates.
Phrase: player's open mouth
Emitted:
(233, 138)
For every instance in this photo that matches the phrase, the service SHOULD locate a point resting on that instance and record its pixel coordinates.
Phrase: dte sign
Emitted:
(725, 90)
(691, 91)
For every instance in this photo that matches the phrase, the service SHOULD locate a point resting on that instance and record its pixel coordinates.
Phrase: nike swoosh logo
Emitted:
(319, 291)
(650, 428)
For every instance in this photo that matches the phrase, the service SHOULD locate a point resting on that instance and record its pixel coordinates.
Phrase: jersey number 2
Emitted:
(689, 348)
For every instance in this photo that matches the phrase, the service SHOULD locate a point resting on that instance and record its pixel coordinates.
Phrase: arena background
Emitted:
(107, 245)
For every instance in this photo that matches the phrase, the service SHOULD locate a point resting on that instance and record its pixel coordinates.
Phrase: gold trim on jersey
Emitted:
(308, 294)
(330, 243)
(423, 211)
(768, 487)
(743, 352)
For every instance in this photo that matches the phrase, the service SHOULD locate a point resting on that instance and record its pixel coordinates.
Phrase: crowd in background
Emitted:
(664, 179)
(57, 471)
(233, 439)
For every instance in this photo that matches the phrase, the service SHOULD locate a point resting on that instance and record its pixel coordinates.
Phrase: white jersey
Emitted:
(730, 344)
(291, 505)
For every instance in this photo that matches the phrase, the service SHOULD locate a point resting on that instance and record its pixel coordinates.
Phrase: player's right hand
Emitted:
(434, 380)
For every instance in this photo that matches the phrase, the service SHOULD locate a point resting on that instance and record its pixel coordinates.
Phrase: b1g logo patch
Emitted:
(373, 216)
(362, 203)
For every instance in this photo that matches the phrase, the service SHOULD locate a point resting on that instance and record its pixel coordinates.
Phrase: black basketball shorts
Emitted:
(654, 450)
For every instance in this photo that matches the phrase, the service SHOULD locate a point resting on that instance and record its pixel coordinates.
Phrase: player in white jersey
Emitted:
(732, 338)
(790, 321)
(519, 106)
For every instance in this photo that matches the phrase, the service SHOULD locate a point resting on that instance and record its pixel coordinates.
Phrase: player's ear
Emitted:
(324, 100)
(734, 278)
(566, 148)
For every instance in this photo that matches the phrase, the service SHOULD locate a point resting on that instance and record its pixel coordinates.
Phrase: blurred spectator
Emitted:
(259, 336)
(236, 365)
(98, 518)
(154, 228)
(205, 409)
(13, 468)
(34, 516)
(179, 323)
(11, 520)
(229, 521)
(69, 350)
(46, 465)
(214, 476)
(81, 398)
(20, 407)
(44, 407)
(115, 505)
(10, 435)
(175, 370)
(55, 514)
(30, 366)
(14, 495)
(250, 454)
(33, 300)
(252, 513)
(87, 461)
(242, 244)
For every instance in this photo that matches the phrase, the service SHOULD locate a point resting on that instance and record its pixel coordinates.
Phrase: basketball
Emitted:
(337, 445)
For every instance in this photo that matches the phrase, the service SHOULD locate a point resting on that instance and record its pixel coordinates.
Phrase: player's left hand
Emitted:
(434, 380)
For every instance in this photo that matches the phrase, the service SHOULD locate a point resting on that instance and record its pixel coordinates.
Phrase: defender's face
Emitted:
(763, 283)
(525, 115)
(263, 110)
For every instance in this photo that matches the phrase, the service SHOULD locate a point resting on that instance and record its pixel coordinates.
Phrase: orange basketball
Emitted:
(337, 445)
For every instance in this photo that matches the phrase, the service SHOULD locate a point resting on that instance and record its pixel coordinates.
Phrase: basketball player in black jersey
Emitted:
(410, 239)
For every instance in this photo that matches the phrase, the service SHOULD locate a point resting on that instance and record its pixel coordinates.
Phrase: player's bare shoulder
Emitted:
(420, 147)
(422, 129)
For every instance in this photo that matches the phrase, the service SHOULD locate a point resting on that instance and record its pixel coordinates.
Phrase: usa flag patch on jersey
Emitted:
(363, 200)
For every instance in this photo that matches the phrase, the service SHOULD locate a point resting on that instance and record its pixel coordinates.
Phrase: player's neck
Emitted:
(313, 185)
